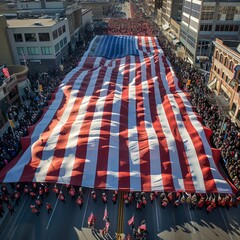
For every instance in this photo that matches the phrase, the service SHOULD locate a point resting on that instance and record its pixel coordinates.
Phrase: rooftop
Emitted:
(234, 45)
(13, 23)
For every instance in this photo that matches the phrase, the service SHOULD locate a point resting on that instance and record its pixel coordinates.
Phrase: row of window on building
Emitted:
(219, 28)
(44, 50)
(42, 37)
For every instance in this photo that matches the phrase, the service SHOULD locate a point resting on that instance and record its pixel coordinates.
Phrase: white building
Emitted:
(41, 41)
(205, 20)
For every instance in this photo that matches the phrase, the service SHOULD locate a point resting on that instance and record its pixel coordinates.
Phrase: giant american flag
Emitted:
(120, 121)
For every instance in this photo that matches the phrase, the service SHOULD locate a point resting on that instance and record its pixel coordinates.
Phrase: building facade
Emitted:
(171, 9)
(225, 75)
(100, 8)
(203, 21)
(12, 90)
(42, 43)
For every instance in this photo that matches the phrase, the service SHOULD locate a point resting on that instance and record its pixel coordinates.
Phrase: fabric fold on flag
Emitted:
(120, 121)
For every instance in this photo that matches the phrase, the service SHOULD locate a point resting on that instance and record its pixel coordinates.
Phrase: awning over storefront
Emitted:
(165, 27)
(212, 83)
(202, 58)
(176, 41)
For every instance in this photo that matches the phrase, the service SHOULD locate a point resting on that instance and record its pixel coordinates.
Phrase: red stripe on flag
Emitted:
(209, 182)
(123, 172)
(184, 164)
(144, 152)
(60, 149)
(81, 151)
(104, 138)
(164, 161)
(30, 168)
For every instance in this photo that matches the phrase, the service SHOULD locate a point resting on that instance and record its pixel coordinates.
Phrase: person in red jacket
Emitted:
(209, 209)
(34, 210)
(17, 196)
(38, 202)
(49, 207)
(61, 196)
(79, 201)
(10, 208)
(56, 190)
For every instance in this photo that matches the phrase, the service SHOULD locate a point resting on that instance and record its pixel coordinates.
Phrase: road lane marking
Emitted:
(156, 214)
(84, 215)
(16, 218)
(120, 215)
(53, 210)
(228, 231)
(191, 220)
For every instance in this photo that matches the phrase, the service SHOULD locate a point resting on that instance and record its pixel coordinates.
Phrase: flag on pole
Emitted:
(105, 213)
(131, 220)
(107, 226)
(6, 72)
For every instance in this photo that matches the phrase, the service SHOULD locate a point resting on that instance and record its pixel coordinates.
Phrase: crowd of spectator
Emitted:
(29, 111)
(225, 133)
(135, 27)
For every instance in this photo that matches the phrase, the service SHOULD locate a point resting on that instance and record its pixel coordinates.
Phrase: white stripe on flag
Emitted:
(113, 154)
(155, 168)
(221, 184)
(65, 173)
(173, 155)
(89, 173)
(190, 151)
(48, 151)
(134, 158)
(14, 174)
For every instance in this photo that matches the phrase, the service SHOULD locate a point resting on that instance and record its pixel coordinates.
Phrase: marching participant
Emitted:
(94, 195)
(49, 207)
(79, 201)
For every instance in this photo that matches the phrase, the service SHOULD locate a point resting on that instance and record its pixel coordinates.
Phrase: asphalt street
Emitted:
(69, 222)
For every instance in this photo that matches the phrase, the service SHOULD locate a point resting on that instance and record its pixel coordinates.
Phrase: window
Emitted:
(43, 37)
(238, 115)
(206, 28)
(235, 29)
(229, 16)
(226, 62)
(46, 50)
(30, 37)
(65, 41)
(217, 28)
(217, 55)
(227, 79)
(231, 66)
(234, 107)
(207, 15)
(223, 75)
(18, 37)
(59, 31)
(20, 50)
(32, 50)
(55, 34)
(61, 43)
(221, 58)
(63, 29)
(56, 48)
